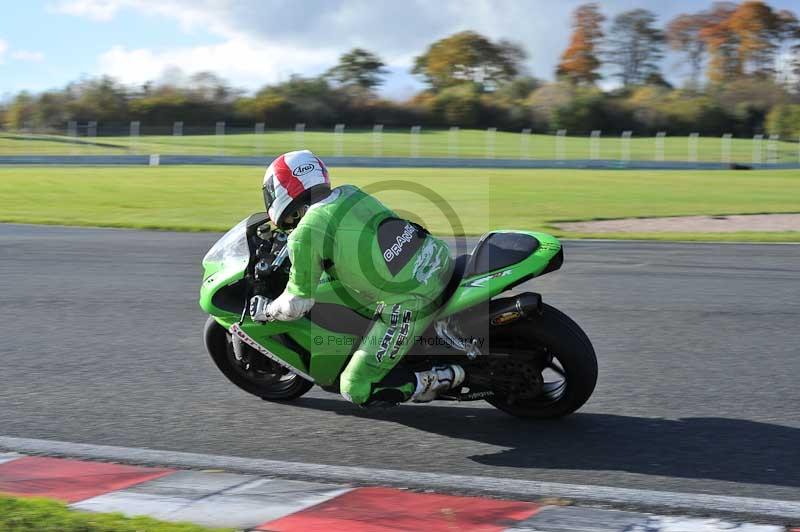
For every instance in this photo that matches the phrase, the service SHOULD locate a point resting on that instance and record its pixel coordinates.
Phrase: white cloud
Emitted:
(396, 30)
(18, 55)
(91, 9)
(27, 55)
(190, 14)
(238, 60)
(286, 36)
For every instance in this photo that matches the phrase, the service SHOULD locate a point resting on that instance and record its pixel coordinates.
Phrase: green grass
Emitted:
(41, 515)
(431, 143)
(195, 198)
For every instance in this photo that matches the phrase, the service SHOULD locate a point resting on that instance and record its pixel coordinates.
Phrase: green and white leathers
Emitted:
(382, 262)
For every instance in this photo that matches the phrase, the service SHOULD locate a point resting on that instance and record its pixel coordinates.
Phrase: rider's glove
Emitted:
(258, 309)
(288, 307)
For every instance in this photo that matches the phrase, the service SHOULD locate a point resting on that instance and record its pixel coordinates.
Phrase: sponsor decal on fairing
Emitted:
(246, 338)
(479, 283)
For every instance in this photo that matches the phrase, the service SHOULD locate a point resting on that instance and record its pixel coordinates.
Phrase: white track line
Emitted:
(508, 488)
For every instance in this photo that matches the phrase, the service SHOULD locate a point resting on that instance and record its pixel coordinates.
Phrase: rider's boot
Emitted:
(439, 379)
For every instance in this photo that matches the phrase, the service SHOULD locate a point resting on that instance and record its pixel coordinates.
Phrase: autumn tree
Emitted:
(789, 46)
(634, 46)
(757, 29)
(722, 43)
(683, 35)
(579, 62)
(745, 38)
(359, 68)
(469, 57)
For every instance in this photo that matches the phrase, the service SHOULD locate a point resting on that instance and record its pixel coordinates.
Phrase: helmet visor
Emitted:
(269, 193)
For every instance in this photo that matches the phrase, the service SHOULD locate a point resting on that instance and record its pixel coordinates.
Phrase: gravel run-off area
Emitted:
(689, 224)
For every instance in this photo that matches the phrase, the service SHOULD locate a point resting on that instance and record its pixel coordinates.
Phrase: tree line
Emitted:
(743, 78)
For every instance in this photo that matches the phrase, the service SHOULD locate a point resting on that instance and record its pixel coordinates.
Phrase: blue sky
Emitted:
(47, 43)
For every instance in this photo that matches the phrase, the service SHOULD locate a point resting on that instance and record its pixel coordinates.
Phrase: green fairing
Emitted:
(474, 290)
(330, 350)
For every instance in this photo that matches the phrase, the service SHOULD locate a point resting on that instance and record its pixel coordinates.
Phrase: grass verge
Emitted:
(44, 515)
(399, 143)
(447, 201)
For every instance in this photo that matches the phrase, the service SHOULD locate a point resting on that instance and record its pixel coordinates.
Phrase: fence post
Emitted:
(659, 156)
(758, 141)
(177, 129)
(91, 129)
(692, 147)
(525, 144)
(134, 136)
(338, 140)
(625, 146)
(219, 137)
(725, 149)
(300, 136)
(490, 137)
(594, 145)
(258, 139)
(377, 140)
(772, 149)
(452, 142)
(560, 151)
(414, 141)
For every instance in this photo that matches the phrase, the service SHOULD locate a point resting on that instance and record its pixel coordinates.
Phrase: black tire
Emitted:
(569, 345)
(219, 347)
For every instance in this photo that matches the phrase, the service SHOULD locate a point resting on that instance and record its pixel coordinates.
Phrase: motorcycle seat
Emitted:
(496, 251)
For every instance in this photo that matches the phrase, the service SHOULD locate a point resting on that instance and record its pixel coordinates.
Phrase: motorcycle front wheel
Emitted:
(570, 374)
(261, 377)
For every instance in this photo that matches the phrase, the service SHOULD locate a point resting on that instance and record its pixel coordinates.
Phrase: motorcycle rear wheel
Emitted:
(273, 387)
(574, 360)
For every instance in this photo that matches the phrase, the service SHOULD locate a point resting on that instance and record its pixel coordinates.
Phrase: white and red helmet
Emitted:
(291, 181)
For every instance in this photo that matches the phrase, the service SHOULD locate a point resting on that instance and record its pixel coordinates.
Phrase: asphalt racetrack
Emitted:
(698, 345)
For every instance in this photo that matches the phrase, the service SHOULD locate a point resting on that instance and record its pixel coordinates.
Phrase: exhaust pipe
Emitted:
(510, 309)
(501, 311)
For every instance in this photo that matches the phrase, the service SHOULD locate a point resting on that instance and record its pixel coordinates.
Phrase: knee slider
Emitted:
(354, 391)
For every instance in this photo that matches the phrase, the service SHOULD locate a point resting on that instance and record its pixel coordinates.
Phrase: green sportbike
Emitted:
(521, 355)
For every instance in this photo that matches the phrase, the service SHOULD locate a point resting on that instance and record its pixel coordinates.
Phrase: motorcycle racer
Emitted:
(386, 263)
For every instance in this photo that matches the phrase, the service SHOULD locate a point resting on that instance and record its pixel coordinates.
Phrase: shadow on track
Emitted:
(702, 448)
